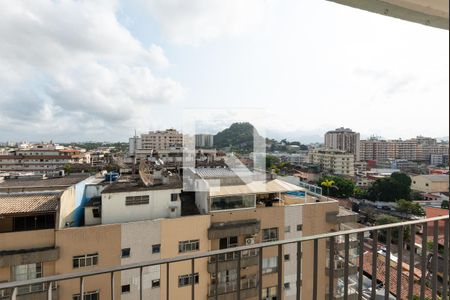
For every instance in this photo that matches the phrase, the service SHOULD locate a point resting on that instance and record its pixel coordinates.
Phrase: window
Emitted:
(26, 272)
(185, 280)
(96, 212)
(137, 200)
(87, 296)
(155, 283)
(125, 288)
(299, 227)
(269, 265)
(287, 285)
(228, 242)
(287, 229)
(156, 248)
(126, 252)
(269, 293)
(85, 260)
(187, 246)
(287, 257)
(233, 202)
(173, 197)
(270, 234)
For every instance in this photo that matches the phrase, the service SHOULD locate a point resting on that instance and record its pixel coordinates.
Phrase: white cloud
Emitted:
(196, 21)
(70, 66)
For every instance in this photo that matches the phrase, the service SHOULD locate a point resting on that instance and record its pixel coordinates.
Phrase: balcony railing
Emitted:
(402, 281)
(234, 255)
(231, 286)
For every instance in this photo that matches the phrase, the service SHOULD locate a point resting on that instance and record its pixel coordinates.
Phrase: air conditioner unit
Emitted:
(249, 241)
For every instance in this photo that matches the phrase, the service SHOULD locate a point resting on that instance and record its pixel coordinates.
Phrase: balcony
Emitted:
(39, 291)
(234, 228)
(227, 290)
(228, 261)
(405, 282)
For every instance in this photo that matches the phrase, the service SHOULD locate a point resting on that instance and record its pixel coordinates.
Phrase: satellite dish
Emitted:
(144, 173)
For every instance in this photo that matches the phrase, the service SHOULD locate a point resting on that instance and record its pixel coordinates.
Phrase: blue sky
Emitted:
(98, 70)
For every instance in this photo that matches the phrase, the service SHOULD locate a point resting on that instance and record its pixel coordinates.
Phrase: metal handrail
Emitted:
(164, 261)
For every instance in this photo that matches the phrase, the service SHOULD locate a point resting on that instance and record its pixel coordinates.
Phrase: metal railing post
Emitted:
(435, 260)
(14, 294)
(141, 287)
(374, 263)
(49, 295)
(112, 286)
(81, 287)
(238, 287)
(423, 260)
(399, 262)
(260, 273)
(331, 269)
(361, 265)
(388, 264)
(193, 278)
(346, 262)
(412, 243)
(446, 261)
(167, 281)
(280, 271)
(315, 263)
(299, 270)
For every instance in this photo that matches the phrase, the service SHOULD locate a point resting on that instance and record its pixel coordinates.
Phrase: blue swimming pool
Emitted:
(297, 194)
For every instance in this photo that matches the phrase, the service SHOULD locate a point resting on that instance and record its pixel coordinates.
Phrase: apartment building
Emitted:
(344, 139)
(40, 159)
(333, 161)
(416, 149)
(204, 140)
(430, 183)
(130, 221)
(168, 139)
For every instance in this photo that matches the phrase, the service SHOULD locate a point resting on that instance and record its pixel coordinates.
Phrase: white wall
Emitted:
(93, 190)
(114, 209)
(139, 237)
(293, 215)
(89, 219)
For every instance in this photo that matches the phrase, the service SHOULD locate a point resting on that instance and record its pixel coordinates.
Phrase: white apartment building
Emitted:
(344, 139)
(333, 161)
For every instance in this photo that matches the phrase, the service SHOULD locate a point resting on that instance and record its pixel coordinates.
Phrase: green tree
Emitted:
(272, 162)
(359, 193)
(67, 168)
(387, 219)
(390, 189)
(341, 187)
(445, 204)
(409, 208)
(402, 178)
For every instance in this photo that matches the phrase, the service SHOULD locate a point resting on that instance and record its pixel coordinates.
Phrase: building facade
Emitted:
(344, 139)
(204, 140)
(333, 161)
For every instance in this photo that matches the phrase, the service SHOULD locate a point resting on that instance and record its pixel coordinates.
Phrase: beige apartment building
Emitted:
(333, 161)
(170, 223)
(430, 183)
(344, 139)
(416, 149)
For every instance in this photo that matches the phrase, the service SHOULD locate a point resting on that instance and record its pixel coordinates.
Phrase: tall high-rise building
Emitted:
(344, 139)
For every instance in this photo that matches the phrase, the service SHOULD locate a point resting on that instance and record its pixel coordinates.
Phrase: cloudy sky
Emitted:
(98, 70)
